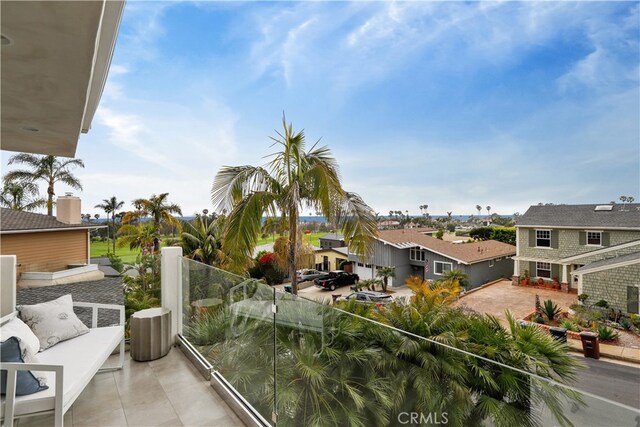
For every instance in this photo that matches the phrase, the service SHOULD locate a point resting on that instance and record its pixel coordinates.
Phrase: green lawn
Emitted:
(100, 249)
(129, 256)
(312, 239)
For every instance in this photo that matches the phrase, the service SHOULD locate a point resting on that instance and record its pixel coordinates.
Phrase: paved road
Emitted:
(615, 381)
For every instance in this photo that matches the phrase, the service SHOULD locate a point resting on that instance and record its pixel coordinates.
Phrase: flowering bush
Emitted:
(266, 259)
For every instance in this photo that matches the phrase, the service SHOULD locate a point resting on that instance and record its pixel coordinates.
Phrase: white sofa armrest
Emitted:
(12, 369)
(94, 311)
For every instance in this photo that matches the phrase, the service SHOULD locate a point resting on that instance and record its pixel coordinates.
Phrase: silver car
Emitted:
(308, 274)
(370, 297)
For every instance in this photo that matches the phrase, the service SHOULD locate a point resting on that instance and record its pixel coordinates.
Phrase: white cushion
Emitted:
(53, 321)
(82, 357)
(17, 328)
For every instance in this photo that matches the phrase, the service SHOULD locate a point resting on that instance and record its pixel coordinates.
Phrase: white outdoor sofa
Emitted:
(69, 365)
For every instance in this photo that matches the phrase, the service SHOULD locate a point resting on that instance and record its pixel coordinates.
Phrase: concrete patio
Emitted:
(163, 392)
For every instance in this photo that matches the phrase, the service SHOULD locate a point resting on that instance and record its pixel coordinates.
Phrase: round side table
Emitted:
(150, 334)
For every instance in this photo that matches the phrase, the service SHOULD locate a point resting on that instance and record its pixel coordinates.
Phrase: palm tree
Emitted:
(489, 212)
(202, 240)
(50, 169)
(159, 210)
(21, 196)
(385, 273)
(293, 179)
(390, 214)
(111, 206)
(479, 208)
(142, 236)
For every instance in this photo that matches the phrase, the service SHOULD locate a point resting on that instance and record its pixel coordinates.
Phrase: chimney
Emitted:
(68, 209)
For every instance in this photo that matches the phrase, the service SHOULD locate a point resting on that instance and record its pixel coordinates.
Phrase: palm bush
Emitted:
(569, 325)
(550, 310)
(606, 334)
(335, 367)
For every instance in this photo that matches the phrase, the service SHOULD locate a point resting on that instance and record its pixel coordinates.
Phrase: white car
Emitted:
(308, 274)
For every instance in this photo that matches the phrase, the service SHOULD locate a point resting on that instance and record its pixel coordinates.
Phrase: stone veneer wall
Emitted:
(611, 285)
(569, 244)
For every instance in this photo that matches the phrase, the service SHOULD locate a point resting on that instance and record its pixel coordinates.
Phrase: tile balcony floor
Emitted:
(163, 392)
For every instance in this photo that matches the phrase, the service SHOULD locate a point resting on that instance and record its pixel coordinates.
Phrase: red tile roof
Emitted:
(468, 253)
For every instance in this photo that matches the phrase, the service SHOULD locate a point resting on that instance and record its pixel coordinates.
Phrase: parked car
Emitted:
(336, 279)
(309, 274)
(370, 297)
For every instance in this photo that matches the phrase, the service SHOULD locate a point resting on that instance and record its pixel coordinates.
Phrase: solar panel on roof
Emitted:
(603, 208)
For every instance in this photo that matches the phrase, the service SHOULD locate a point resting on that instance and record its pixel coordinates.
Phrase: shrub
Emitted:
(602, 304)
(582, 298)
(607, 334)
(569, 325)
(625, 323)
(550, 310)
(116, 262)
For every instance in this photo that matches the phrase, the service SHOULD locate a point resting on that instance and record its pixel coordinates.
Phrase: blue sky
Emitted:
(449, 104)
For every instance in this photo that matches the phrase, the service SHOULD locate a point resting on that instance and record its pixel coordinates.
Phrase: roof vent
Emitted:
(603, 208)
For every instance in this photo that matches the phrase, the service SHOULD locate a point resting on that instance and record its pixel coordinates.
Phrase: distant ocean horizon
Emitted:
(313, 218)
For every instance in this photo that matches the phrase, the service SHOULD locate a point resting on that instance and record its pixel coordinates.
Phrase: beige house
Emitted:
(331, 258)
(49, 250)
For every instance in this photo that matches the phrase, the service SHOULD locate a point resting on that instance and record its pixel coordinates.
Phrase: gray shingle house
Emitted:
(414, 252)
(591, 249)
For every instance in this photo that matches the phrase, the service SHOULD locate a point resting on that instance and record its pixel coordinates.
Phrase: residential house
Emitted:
(414, 252)
(332, 240)
(46, 246)
(388, 224)
(330, 259)
(591, 249)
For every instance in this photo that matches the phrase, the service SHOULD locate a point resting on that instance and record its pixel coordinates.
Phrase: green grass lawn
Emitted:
(312, 239)
(100, 249)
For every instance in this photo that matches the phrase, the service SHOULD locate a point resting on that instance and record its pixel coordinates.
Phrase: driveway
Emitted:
(497, 298)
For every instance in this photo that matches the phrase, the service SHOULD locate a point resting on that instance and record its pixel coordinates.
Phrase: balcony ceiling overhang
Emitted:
(54, 62)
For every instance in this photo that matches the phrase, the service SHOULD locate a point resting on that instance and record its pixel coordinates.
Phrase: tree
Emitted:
(110, 207)
(50, 169)
(21, 196)
(479, 208)
(385, 273)
(201, 240)
(489, 212)
(295, 178)
(141, 236)
(160, 211)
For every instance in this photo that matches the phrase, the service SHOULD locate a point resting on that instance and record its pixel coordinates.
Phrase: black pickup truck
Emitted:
(335, 279)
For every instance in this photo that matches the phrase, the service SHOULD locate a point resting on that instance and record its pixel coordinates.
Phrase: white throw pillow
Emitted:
(53, 321)
(17, 328)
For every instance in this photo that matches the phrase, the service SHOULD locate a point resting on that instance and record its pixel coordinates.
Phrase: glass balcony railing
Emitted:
(300, 363)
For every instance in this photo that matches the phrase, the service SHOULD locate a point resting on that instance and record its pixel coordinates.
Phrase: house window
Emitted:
(360, 264)
(368, 265)
(417, 254)
(543, 269)
(594, 238)
(491, 263)
(440, 268)
(543, 238)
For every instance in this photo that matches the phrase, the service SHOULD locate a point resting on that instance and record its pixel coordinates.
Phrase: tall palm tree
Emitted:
(50, 169)
(160, 211)
(293, 179)
(21, 196)
(479, 208)
(489, 212)
(111, 206)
